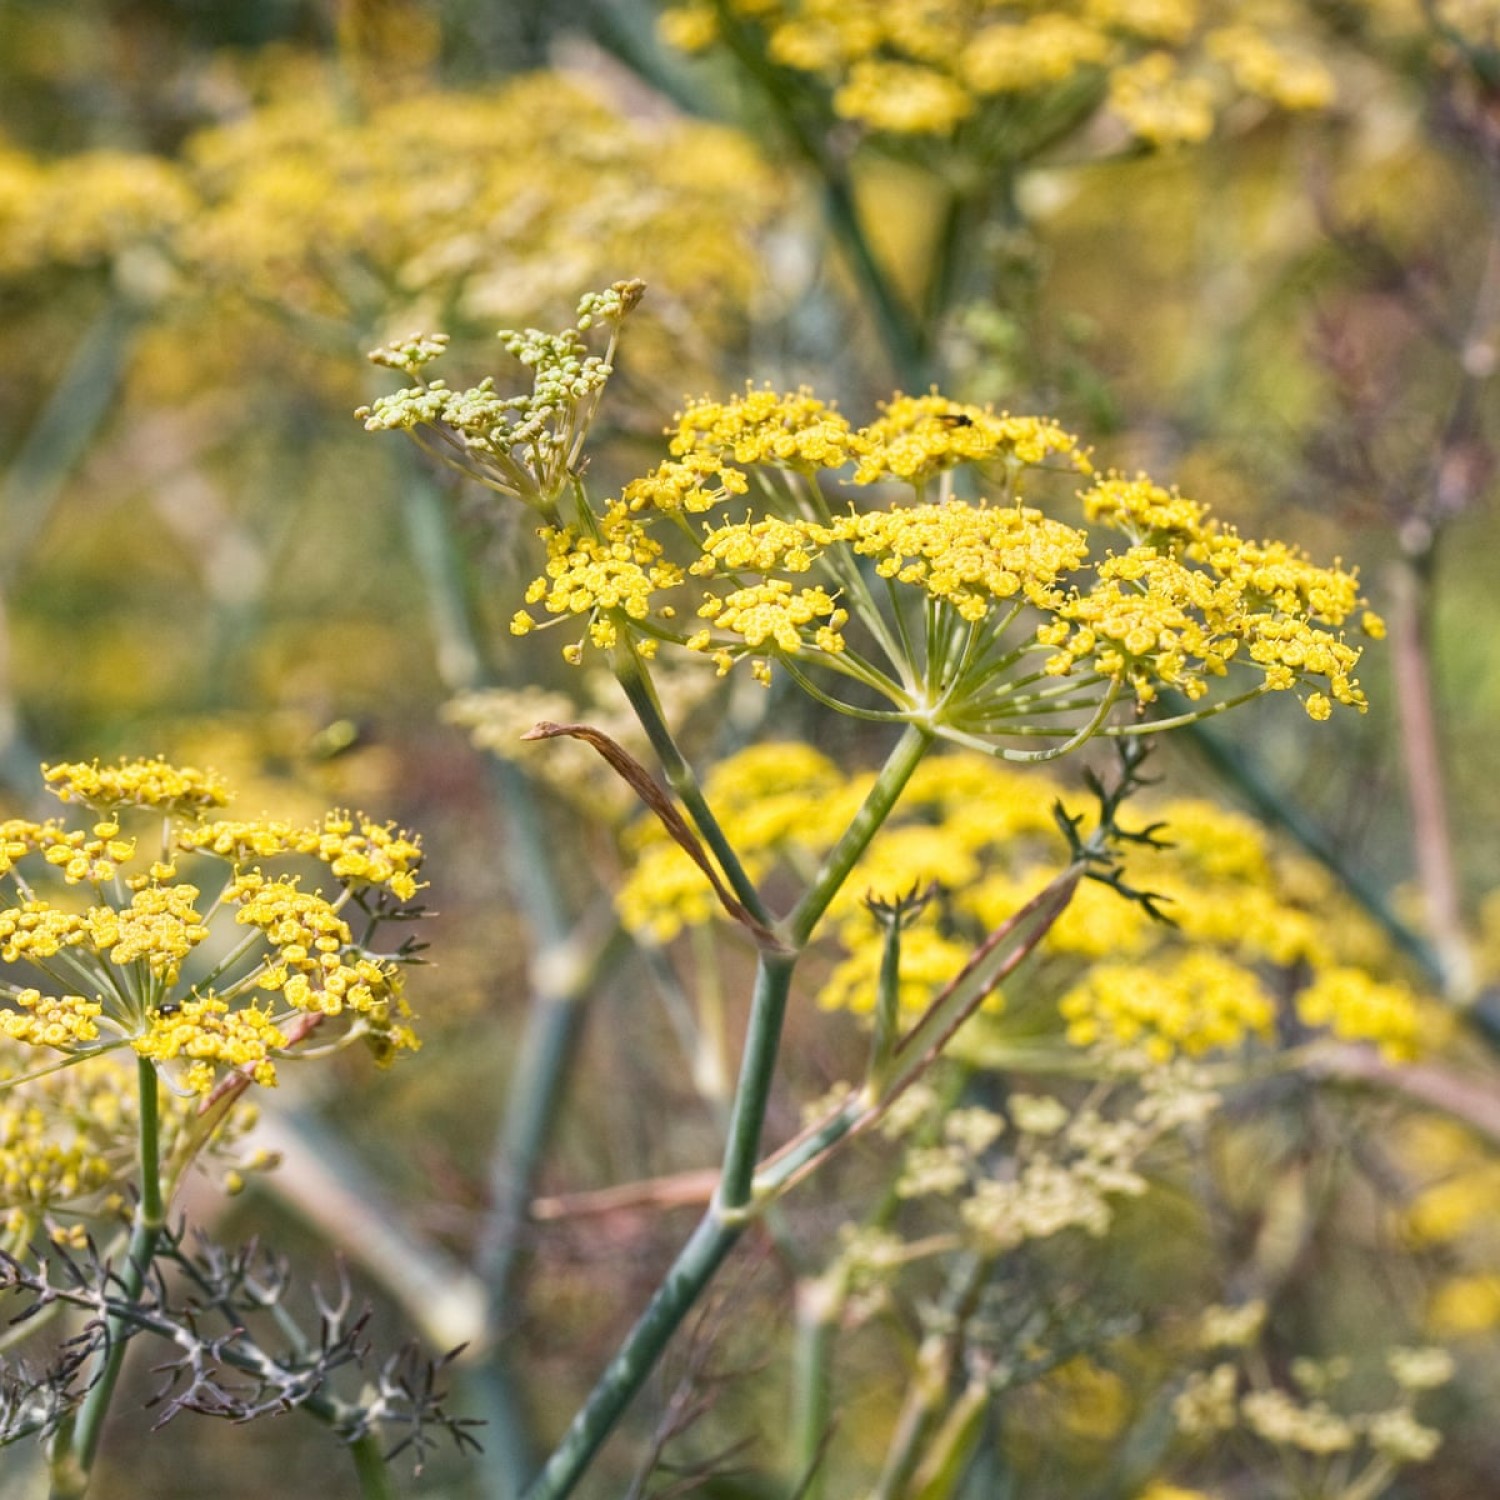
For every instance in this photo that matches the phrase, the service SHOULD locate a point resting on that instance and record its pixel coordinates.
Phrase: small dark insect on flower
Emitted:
(955, 419)
(169, 1009)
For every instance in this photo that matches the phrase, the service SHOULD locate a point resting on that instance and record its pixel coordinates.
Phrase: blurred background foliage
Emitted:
(208, 213)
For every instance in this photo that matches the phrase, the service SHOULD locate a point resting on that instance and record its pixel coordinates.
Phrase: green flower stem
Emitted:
(370, 1467)
(561, 979)
(885, 1031)
(71, 1474)
(820, 1304)
(821, 1300)
(1095, 725)
(690, 1274)
(1193, 716)
(456, 637)
(51, 451)
(773, 983)
(1419, 716)
(937, 1359)
(889, 784)
(631, 675)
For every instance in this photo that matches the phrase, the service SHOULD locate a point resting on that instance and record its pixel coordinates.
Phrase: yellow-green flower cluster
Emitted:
(1165, 67)
(357, 851)
(1313, 1416)
(1453, 1206)
(362, 219)
(60, 1144)
(619, 570)
(124, 967)
(1250, 923)
(484, 203)
(974, 590)
(137, 783)
(1190, 597)
(795, 430)
(1067, 1164)
(86, 210)
(214, 1039)
(1200, 1002)
(1354, 1005)
(919, 437)
(971, 557)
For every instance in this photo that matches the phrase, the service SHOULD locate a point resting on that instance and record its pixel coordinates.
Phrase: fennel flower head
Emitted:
(928, 567)
(1164, 71)
(211, 946)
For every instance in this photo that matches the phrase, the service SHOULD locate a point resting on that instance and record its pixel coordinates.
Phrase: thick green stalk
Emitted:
(63, 431)
(560, 991)
(952, 1447)
(559, 983)
(820, 1302)
(71, 1469)
(47, 456)
(1419, 716)
(456, 638)
(691, 1273)
(773, 984)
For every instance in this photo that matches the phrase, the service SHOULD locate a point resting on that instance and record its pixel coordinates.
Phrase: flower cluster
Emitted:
(124, 966)
(361, 222)
(1068, 1163)
(525, 446)
(973, 606)
(1253, 939)
(87, 210)
(1304, 1420)
(483, 202)
(1165, 68)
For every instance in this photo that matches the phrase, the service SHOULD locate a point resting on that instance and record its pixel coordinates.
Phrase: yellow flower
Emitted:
(969, 556)
(59, 1021)
(1147, 513)
(209, 1034)
(1202, 1002)
(484, 201)
(1359, 1008)
(136, 783)
(923, 67)
(1035, 53)
(36, 930)
(160, 926)
(920, 436)
(774, 611)
(1159, 104)
(128, 949)
(904, 98)
(795, 430)
(1287, 80)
